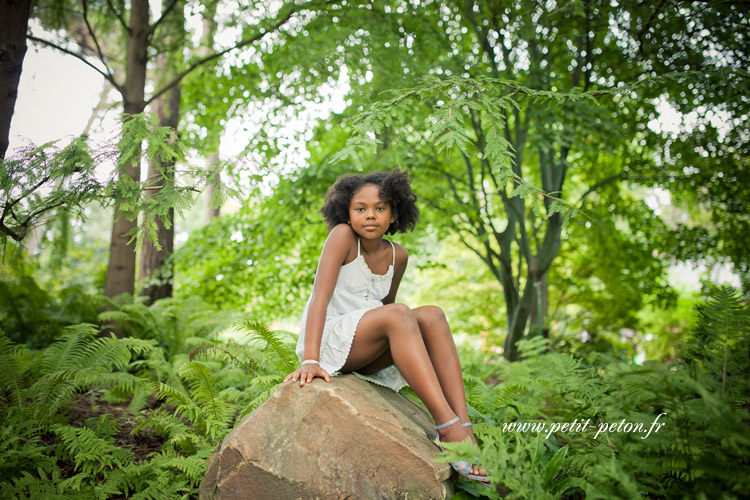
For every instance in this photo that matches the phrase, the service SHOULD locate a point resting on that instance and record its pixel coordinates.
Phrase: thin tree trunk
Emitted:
(519, 316)
(517, 320)
(538, 318)
(155, 268)
(121, 267)
(14, 20)
(206, 47)
(35, 235)
(211, 210)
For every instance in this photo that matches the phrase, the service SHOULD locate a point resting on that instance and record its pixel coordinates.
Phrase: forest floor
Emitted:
(89, 407)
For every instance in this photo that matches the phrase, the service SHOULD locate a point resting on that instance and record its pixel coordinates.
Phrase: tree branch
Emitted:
(485, 168)
(10, 232)
(482, 36)
(40, 211)
(107, 77)
(524, 247)
(217, 55)
(164, 13)
(519, 271)
(25, 225)
(9, 205)
(601, 183)
(118, 15)
(99, 52)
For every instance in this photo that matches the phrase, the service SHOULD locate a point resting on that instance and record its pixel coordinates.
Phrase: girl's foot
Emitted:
(450, 433)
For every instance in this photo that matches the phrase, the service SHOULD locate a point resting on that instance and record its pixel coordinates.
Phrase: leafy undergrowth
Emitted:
(137, 417)
(101, 417)
(694, 418)
(86, 410)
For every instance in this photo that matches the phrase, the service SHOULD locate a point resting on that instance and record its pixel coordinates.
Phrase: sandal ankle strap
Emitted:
(466, 424)
(447, 424)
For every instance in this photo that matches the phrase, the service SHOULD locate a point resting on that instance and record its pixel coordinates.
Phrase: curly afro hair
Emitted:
(395, 189)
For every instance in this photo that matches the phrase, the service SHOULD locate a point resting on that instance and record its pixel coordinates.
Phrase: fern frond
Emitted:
(532, 347)
(172, 395)
(205, 350)
(49, 393)
(193, 467)
(116, 316)
(266, 381)
(11, 374)
(256, 402)
(106, 354)
(203, 388)
(137, 316)
(285, 356)
(88, 378)
(162, 424)
(90, 453)
(64, 354)
(138, 346)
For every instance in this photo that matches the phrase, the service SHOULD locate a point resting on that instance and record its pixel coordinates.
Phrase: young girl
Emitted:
(352, 322)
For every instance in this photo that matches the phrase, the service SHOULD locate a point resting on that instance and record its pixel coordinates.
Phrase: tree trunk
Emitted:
(211, 210)
(14, 20)
(206, 47)
(155, 268)
(121, 267)
(517, 319)
(523, 311)
(538, 316)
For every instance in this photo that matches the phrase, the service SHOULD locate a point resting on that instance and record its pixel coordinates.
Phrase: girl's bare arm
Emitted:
(402, 258)
(335, 251)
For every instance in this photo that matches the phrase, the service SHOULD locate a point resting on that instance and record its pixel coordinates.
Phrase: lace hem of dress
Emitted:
(387, 377)
(348, 348)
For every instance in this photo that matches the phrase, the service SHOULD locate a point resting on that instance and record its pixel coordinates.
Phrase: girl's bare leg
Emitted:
(395, 327)
(441, 349)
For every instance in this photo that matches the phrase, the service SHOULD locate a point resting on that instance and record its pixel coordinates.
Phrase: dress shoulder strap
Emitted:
(393, 251)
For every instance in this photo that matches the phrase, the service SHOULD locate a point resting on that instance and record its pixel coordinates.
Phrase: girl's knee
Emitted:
(400, 315)
(430, 315)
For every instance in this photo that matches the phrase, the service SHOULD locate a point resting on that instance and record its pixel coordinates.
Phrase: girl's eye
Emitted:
(380, 209)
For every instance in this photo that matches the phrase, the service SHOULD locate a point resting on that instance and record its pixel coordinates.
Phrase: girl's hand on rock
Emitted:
(306, 373)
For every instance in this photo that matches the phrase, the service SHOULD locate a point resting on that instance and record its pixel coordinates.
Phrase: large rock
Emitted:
(347, 439)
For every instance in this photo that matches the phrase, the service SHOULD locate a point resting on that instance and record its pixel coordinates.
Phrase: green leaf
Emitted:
(553, 467)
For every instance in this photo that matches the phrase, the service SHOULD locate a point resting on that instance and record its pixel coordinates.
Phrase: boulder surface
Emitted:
(347, 439)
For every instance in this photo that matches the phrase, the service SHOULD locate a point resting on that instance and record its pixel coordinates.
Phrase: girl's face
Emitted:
(369, 215)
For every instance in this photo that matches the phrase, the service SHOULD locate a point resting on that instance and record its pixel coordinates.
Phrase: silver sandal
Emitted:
(461, 466)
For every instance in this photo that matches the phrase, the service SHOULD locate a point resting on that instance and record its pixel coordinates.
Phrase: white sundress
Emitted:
(357, 291)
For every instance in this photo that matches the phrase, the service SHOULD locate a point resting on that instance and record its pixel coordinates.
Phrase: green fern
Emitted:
(206, 395)
(285, 360)
(91, 453)
(231, 351)
(701, 452)
(12, 374)
(38, 392)
(77, 361)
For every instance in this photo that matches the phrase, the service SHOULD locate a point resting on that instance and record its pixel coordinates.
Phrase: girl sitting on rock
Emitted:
(352, 322)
